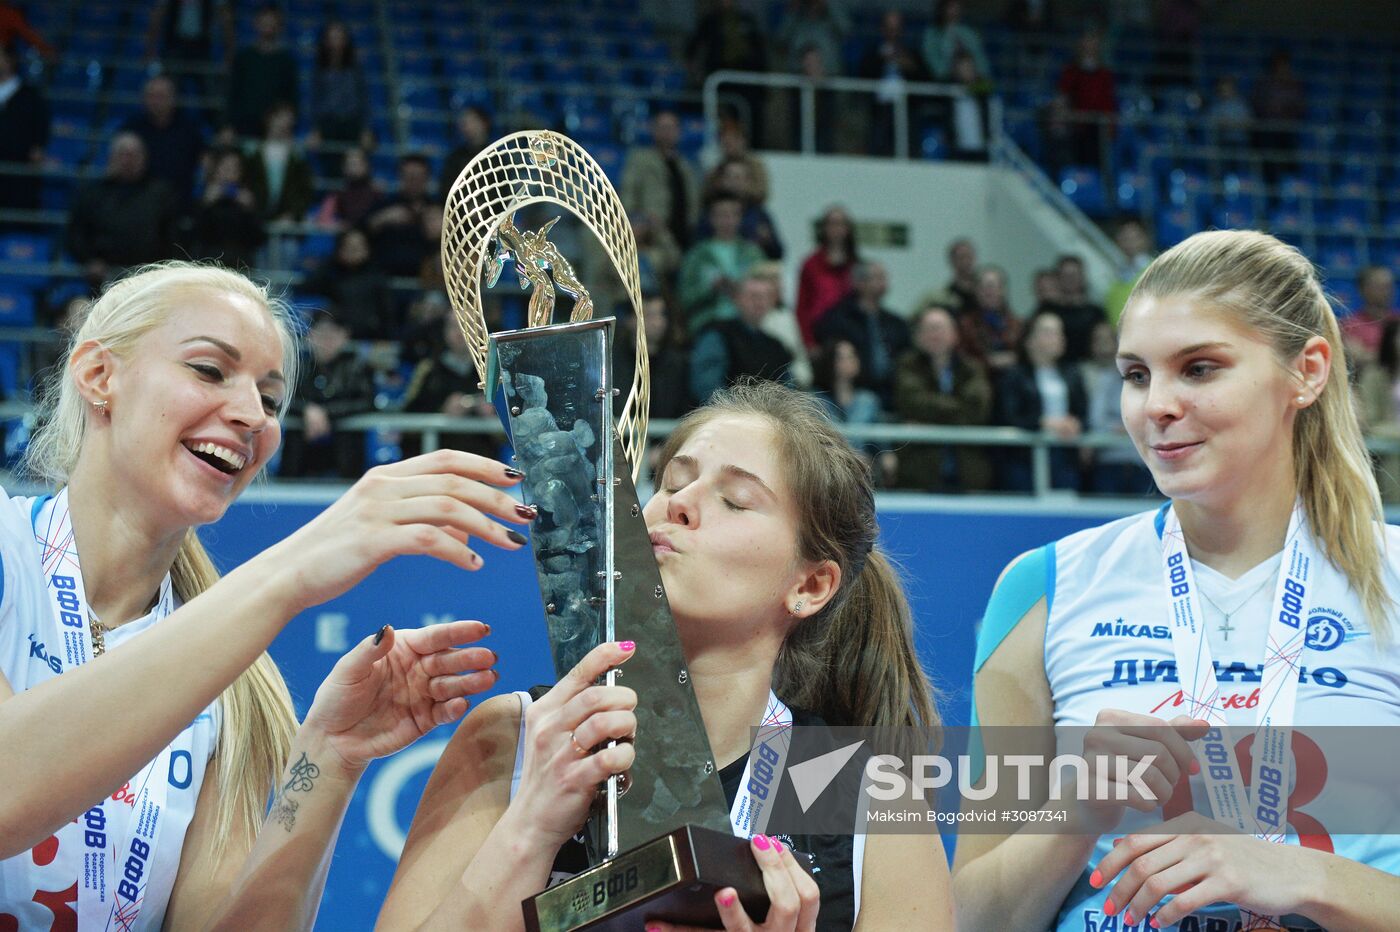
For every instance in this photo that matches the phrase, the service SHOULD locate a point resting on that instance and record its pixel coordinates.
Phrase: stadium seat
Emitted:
(16, 306)
(1084, 187)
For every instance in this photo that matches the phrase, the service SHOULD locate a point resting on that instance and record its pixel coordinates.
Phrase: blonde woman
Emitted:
(1270, 559)
(144, 726)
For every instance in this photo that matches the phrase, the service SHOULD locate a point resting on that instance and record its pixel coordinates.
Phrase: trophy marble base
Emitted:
(672, 878)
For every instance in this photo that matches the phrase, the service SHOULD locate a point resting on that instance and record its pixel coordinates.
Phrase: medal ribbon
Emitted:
(119, 847)
(1230, 800)
(749, 814)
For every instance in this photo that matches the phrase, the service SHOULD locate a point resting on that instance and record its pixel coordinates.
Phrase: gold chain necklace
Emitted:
(99, 635)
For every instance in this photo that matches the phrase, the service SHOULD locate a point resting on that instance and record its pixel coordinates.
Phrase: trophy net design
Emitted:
(539, 167)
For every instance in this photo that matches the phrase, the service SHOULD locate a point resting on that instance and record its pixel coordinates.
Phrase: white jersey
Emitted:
(39, 888)
(1108, 646)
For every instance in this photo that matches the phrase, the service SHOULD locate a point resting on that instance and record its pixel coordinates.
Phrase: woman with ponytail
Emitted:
(1265, 585)
(144, 726)
(763, 525)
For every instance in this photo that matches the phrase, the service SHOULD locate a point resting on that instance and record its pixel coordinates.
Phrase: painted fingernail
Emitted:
(379, 635)
(529, 512)
(1154, 923)
(495, 657)
(513, 473)
(760, 842)
(628, 646)
(1128, 918)
(515, 537)
(1195, 767)
(486, 626)
(726, 899)
(777, 845)
(1096, 880)
(1108, 908)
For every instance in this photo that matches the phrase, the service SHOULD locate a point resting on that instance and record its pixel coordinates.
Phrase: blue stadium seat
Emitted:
(1084, 187)
(1175, 223)
(1339, 256)
(1390, 219)
(1130, 190)
(1385, 252)
(1346, 216)
(610, 159)
(1234, 214)
(16, 306)
(1343, 295)
(1287, 217)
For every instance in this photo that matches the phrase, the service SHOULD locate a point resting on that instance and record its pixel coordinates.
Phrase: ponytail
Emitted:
(258, 717)
(855, 663)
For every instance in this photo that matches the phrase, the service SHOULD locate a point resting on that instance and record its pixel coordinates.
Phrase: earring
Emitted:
(100, 405)
(796, 608)
(1302, 399)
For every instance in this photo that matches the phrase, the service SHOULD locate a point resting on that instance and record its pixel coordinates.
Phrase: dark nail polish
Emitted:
(513, 473)
(380, 635)
(528, 512)
(487, 627)
(495, 657)
(515, 537)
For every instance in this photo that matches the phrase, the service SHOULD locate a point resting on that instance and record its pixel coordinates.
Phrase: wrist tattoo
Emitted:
(303, 779)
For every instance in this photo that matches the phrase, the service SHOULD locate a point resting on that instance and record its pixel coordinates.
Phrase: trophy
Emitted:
(659, 843)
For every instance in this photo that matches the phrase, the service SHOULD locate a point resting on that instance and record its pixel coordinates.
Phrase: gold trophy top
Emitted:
(479, 236)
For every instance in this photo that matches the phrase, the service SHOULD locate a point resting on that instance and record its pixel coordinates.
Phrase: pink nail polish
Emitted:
(1128, 918)
(627, 645)
(726, 899)
(1117, 842)
(1108, 908)
(760, 842)
(1096, 880)
(1154, 923)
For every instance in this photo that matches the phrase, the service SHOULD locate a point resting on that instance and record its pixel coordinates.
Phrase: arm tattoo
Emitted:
(304, 774)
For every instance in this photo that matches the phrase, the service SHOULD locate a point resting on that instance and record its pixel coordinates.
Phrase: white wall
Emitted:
(939, 202)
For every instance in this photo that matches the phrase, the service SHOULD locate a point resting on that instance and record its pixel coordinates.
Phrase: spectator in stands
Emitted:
(781, 324)
(1077, 313)
(966, 115)
(431, 276)
(948, 35)
(1045, 285)
(1279, 103)
(836, 381)
(182, 33)
(174, 139)
(278, 173)
(817, 26)
(1178, 34)
(124, 218)
(422, 337)
(1229, 116)
(937, 383)
(14, 25)
(1057, 135)
(879, 335)
(1110, 470)
(658, 256)
(359, 196)
(728, 38)
(668, 361)
(658, 181)
(961, 291)
(734, 144)
(334, 383)
(227, 225)
(474, 133)
(24, 133)
(1088, 88)
(988, 329)
(825, 278)
(447, 384)
(1377, 391)
(712, 269)
(339, 97)
(892, 60)
(1362, 328)
(734, 178)
(397, 229)
(262, 75)
(353, 283)
(1042, 393)
(1135, 254)
(727, 351)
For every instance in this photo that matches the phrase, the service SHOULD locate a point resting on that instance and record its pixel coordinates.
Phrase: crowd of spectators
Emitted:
(181, 181)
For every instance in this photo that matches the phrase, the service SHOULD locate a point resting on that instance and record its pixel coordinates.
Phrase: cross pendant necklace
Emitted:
(1225, 627)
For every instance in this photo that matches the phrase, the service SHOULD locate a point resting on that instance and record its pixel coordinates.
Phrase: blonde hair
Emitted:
(1274, 290)
(258, 717)
(854, 662)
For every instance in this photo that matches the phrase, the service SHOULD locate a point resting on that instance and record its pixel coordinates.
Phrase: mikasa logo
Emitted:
(1116, 629)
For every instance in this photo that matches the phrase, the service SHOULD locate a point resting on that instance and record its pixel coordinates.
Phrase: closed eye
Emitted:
(731, 506)
(212, 373)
